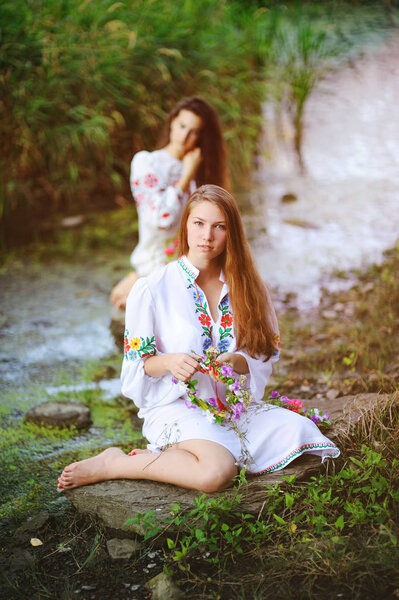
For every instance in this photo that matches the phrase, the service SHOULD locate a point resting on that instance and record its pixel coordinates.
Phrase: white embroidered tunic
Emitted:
(167, 312)
(153, 177)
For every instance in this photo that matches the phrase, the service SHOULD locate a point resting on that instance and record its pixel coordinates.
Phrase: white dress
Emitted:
(167, 312)
(153, 176)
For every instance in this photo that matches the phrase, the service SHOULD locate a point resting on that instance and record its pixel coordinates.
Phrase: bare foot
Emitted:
(91, 470)
(139, 451)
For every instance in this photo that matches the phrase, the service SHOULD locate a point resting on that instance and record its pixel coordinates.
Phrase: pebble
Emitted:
(329, 314)
(332, 394)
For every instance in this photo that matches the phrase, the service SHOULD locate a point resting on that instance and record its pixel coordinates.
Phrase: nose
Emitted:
(207, 233)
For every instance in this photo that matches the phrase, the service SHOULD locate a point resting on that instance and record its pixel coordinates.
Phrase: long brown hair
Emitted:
(213, 167)
(255, 323)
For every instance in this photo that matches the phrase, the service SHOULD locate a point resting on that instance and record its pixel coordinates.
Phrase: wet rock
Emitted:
(368, 287)
(119, 549)
(289, 197)
(339, 307)
(74, 221)
(163, 588)
(300, 223)
(21, 560)
(60, 414)
(116, 501)
(33, 524)
(329, 314)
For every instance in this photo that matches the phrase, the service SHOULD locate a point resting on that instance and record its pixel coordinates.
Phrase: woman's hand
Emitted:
(237, 361)
(182, 366)
(191, 162)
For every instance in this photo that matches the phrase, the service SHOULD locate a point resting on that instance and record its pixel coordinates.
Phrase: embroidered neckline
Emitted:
(201, 307)
(186, 269)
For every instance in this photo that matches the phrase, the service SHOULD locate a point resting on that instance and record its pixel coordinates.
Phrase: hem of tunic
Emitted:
(333, 452)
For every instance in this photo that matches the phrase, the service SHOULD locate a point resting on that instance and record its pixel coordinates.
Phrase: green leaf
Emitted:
(289, 500)
(339, 523)
(279, 519)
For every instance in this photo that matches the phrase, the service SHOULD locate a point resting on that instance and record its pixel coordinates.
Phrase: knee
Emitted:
(216, 478)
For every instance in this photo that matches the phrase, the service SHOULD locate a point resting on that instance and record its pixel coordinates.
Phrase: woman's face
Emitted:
(206, 233)
(184, 132)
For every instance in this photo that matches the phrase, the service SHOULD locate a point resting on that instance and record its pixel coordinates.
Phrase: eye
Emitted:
(197, 222)
(221, 226)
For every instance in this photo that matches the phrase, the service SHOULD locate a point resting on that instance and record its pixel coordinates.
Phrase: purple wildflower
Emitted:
(174, 380)
(274, 394)
(212, 402)
(315, 418)
(189, 404)
(226, 371)
(284, 399)
(234, 387)
(325, 417)
(237, 410)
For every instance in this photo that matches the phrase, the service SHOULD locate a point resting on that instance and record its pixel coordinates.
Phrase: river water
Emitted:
(346, 215)
(347, 212)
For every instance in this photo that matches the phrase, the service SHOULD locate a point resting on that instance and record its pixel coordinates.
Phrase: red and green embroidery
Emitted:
(226, 324)
(138, 347)
(201, 308)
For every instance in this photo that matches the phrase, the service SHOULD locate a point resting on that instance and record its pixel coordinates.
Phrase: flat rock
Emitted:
(122, 549)
(60, 414)
(116, 501)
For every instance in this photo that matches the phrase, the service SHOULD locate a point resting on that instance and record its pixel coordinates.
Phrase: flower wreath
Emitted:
(238, 398)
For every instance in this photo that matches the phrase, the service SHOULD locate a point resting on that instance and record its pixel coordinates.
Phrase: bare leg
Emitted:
(194, 464)
(121, 290)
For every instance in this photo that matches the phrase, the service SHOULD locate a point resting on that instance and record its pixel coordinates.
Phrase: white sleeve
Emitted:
(140, 342)
(151, 188)
(259, 373)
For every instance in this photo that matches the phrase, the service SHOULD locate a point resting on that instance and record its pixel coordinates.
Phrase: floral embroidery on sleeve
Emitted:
(150, 180)
(138, 347)
(276, 340)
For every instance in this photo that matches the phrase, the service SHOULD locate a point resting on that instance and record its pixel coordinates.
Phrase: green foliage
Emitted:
(86, 84)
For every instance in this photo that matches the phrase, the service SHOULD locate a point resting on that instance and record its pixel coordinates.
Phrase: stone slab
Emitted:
(60, 414)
